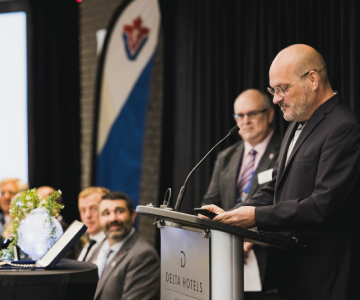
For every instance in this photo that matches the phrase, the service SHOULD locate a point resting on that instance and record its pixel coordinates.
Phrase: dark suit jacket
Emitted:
(314, 198)
(134, 272)
(222, 190)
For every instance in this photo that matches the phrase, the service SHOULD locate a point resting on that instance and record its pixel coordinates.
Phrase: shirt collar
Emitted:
(99, 237)
(261, 145)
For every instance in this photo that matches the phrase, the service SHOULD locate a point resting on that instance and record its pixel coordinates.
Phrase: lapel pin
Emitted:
(271, 156)
(120, 255)
(113, 264)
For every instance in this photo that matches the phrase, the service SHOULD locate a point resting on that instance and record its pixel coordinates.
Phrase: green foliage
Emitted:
(22, 205)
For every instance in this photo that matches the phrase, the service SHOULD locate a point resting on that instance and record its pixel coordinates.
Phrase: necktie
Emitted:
(92, 243)
(247, 176)
(101, 270)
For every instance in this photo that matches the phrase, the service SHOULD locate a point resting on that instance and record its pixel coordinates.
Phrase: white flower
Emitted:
(30, 204)
(60, 192)
(28, 197)
(17, 219)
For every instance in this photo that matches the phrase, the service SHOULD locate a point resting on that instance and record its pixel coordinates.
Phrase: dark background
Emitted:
(213, 50)
(53, 96)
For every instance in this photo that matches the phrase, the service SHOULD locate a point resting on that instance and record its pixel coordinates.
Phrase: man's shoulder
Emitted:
(344, 114)
(231, 149)
(141, 246)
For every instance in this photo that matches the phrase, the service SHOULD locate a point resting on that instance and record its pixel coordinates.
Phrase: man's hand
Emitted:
(243, 216)
(247, 247)
(212, 208)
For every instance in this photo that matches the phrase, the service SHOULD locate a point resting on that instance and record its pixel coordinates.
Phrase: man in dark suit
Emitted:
(313, 195)
(231, 183)
(128, 266)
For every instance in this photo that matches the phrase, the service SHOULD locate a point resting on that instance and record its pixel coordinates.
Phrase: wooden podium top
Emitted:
(270, 239)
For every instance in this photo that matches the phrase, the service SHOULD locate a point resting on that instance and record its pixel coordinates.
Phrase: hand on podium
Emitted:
(212, 208)
(243, 216)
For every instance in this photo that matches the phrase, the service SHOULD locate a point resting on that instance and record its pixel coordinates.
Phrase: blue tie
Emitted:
(101, 270)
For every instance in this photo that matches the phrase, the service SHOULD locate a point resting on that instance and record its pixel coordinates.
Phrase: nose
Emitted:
(277, 98)
(246, 119)
(112, 217)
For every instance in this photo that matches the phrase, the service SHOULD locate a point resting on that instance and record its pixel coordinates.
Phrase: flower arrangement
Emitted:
(22, 205)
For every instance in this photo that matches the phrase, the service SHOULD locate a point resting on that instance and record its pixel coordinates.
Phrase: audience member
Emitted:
(9, 187)
(45, 191)
(245, 167)
(128, 266)
(89, 200)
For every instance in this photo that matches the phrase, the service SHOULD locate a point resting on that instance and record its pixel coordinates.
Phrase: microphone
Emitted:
(181, 195)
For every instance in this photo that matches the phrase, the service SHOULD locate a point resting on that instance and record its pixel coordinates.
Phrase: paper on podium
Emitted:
(252, 281)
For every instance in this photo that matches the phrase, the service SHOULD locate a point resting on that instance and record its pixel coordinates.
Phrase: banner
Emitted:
(122, 94)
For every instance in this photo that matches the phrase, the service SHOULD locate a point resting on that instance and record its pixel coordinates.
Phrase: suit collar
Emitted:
(115, 261)
(311, 124)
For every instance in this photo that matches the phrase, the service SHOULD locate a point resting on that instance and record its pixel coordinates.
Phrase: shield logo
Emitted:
(135, 36)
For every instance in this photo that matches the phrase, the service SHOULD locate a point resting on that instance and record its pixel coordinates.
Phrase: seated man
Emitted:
(45, 191)
(9, 187)
(129, 267)
(243, 168)
(89, 200)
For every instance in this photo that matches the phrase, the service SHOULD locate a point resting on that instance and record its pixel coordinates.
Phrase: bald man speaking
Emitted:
(313, 194)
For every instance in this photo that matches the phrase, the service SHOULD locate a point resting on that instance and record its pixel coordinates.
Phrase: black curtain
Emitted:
(53, 107)
(216, 49)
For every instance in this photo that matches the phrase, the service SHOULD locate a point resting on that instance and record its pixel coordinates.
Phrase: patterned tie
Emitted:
(101, 270)
(247, 175)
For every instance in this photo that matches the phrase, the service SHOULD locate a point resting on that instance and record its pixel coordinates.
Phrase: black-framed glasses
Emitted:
(251, 114)
(281, 92)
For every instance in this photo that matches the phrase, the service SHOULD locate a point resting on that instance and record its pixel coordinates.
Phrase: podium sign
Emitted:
(185, 261)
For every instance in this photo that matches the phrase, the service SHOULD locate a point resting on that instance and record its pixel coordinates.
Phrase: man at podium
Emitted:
(313, 192)
(243, 168)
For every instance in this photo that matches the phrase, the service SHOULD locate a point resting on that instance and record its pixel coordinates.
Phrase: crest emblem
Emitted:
(135, 37)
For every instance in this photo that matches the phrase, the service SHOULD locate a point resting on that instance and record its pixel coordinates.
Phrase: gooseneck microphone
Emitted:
(181, 195)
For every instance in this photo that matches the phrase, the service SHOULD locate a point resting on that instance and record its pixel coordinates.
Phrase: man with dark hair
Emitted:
(128, 266)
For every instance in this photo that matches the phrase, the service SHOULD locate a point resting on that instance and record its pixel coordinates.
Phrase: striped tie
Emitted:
(101, 270)
(247, 175)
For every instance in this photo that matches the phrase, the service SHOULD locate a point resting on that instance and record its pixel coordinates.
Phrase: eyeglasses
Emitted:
(281, 92)
(251, 114)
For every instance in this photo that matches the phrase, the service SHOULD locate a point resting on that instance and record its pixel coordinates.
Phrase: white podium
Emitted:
(203, 259)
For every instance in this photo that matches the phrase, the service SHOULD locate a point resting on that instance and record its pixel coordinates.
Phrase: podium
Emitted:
(203, 259)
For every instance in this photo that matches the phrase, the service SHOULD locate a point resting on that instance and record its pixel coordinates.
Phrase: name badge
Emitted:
(265, 176)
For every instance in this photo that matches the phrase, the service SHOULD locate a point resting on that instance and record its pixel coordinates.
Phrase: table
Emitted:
(70, 279)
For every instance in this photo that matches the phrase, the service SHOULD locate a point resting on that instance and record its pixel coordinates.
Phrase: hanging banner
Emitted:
(122, 94)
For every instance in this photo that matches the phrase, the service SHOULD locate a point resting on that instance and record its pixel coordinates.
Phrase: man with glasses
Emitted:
(313, 195)
(245, 167)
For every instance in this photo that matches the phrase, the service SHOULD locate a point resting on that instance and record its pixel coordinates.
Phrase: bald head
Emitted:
(300, 59)
(254, 116)
(253, 95)
(300, 72)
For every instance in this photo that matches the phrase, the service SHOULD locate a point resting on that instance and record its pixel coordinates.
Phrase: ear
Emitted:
(133, 216)
(271, 115)
(314, 80)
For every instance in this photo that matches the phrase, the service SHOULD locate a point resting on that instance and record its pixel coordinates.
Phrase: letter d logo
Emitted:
(183, 262)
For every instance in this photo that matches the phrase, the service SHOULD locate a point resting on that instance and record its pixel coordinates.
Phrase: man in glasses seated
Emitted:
(243, 168)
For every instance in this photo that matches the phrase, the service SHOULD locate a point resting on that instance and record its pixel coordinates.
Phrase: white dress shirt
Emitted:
(105, 249)
(99, 237)
(293, 141)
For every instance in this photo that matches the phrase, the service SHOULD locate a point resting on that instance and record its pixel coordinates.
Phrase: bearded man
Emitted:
(313, 194)
(128, 266)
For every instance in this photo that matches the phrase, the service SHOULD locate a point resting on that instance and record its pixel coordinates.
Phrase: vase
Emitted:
(38, 232)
